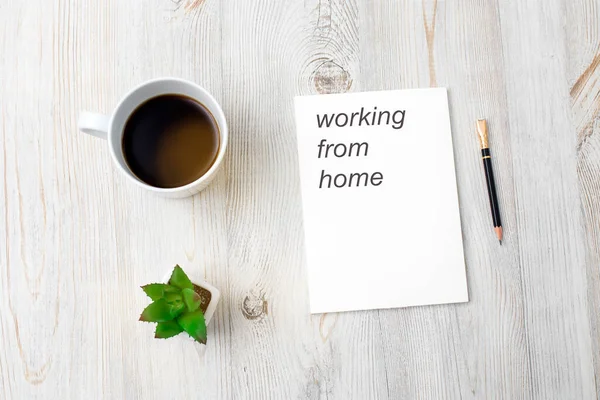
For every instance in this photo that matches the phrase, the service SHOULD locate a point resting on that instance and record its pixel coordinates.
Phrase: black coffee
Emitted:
(170, 141)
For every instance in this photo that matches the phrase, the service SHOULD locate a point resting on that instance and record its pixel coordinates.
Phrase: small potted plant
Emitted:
(180, 305)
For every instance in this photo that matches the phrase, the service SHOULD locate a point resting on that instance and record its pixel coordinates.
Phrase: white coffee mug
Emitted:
(111, 127)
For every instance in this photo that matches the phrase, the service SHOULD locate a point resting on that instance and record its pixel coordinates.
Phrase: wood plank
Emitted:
(398, 50)
(41, 188)
(350, 359)
(584, 72)
(494, 361)
(72, 260)
(548, 209)
(152, 233)
(273, 336)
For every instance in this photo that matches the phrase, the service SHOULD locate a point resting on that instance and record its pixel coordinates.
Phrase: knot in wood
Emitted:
(330, 77)
(254, 306)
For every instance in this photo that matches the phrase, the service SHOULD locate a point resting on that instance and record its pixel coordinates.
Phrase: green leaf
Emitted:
(165, 330)
(194, 324)
(175, 300)
(177, 308)
(180, 279)
(159, 311)
(158, 290)
(191, 299)
(173, 297)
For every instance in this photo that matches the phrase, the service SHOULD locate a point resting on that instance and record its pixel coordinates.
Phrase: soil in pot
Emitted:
(205, 297)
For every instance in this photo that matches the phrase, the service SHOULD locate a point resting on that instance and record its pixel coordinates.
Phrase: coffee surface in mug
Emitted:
(170, 141)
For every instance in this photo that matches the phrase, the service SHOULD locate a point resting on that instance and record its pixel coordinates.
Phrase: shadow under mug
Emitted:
(111, 127)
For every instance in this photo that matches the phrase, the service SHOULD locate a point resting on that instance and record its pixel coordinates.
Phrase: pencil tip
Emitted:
(500, 242)
(498, 230)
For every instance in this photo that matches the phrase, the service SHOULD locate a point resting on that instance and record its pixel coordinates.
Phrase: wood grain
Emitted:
(544, 146)
(584, 70)
(77, 240)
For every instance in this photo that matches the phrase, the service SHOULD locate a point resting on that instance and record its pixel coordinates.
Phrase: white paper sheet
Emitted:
(390, 237)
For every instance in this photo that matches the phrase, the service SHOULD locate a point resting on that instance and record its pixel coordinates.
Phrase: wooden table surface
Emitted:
(77, 239)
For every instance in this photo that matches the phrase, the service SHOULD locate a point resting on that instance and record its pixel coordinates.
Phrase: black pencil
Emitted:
(482, 132)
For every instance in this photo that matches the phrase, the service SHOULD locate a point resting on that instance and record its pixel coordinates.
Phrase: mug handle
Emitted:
(94, 124)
